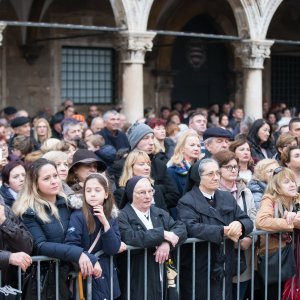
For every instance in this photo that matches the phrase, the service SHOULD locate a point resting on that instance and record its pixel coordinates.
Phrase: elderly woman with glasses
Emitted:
(210, 215)
(144, 225)
(230, 182)
(278, 212)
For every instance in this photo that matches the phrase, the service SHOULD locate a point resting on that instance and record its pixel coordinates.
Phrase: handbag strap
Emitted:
(95, 242)
(244, 202)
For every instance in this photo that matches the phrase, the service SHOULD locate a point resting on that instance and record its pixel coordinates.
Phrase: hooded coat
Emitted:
(207, 223)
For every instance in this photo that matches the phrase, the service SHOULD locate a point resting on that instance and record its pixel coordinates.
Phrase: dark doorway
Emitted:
(200, 66)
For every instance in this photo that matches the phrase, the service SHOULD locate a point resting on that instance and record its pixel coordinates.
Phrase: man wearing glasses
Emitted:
(214, 216)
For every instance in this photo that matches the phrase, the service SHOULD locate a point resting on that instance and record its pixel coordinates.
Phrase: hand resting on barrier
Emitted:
(233, 231)
(289, 216)
(97, 270)
(171, 237)
(162, 252)
(20, 259)
(86, 267)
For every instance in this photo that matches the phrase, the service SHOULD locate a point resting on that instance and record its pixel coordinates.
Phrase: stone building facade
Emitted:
(142, 61)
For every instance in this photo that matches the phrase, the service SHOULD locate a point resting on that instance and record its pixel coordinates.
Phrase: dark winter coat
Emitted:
(207, 223)
(7, 196)
(178, 178)
(49, 237)
(257, 154)
(134, 233)
(161, 178)
(109, 242)
(14, 237)
(119, 140)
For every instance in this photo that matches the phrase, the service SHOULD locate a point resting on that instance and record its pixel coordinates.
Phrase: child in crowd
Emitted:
(95, 228)
(107, 153)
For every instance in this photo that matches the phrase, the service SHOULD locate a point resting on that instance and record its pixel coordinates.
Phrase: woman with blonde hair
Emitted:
(186, 153)
(41, 130)
(138, 163)
(263, 171)
(46, 215)
(278, 212)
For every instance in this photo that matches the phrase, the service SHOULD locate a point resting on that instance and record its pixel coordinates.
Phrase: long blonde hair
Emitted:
(29, 197)
(177, 157)
(131, 159)
(36, 123)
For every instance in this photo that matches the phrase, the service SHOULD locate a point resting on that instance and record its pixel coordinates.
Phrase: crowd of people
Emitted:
(74, 185)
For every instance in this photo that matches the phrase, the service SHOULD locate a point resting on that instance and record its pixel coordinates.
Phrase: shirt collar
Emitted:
(207, 195)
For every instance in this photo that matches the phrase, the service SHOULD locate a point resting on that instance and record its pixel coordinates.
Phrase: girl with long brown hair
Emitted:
(95, 228)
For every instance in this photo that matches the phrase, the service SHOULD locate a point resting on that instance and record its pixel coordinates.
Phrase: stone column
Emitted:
(252, 54)
(133, 46)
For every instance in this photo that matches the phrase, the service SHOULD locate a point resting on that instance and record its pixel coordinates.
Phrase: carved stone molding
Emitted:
(2, 27)
(253, 53)
(134, 45)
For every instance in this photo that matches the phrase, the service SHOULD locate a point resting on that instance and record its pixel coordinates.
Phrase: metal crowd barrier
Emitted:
(193, 241)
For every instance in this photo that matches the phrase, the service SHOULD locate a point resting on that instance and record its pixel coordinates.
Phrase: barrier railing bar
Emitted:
(194, 270)
(208, 269)
(111, 278)
(279, 266)
(128, 272)
(266, 265)
(145, 274)
(252, 269)
(57, 279)
(238, 270)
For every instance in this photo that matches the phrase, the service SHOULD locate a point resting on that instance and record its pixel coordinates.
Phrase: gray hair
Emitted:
(107, 114)
(55, 156)
(94, 120)
(67, 124)
(203, 162)
(208, 141)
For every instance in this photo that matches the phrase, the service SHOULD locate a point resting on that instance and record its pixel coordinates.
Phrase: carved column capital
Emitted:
(134, 45)
(253, 53)
(2, 27)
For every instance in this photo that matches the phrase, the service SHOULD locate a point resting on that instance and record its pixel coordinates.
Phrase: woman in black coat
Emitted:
(260, 140)
(210, 215)
(15, 245)
(144, 225)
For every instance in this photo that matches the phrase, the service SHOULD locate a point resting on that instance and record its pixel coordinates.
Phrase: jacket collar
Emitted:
(222, 206)
(156, 217)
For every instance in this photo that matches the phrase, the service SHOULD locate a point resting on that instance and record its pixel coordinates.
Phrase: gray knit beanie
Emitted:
(136, 132)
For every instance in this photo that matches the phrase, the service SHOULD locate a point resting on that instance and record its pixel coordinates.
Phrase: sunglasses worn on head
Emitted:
(277, 171)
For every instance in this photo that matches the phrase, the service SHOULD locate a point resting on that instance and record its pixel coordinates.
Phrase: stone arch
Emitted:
(132, 15)
(253, 17)
(180, 13)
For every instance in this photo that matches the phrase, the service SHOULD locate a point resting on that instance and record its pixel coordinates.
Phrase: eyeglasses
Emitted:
(41, 126)
(144, 193)
(230, 168)
(212, 174)
(277, 171)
